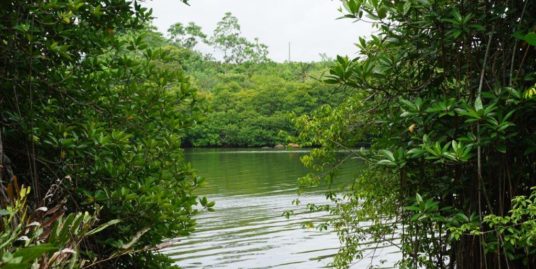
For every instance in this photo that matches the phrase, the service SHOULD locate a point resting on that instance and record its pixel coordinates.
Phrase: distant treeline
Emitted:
(250, 100)
(254, 104)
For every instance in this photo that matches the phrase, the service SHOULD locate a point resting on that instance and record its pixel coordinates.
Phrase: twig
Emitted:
(479, 151)
(515, 45)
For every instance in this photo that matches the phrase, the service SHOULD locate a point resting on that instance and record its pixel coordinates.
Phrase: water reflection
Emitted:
(252, 189)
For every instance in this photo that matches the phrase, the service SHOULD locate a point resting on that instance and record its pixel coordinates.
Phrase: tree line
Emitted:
(250, 101)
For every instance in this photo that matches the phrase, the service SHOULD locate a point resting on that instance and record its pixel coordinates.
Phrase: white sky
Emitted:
(311, 26)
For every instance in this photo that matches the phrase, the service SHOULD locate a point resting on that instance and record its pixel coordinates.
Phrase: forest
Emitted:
(250, 100)
(256, 109)
(98, 109)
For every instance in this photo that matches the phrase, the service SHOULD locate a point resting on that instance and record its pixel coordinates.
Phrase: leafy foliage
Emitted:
(250, 100)
(236, 49)
(256, 109)
(442, 93)
(186, 36)
(45, 238)
(88, 92)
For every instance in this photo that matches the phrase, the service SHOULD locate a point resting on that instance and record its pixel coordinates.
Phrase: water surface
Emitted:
(252, 189)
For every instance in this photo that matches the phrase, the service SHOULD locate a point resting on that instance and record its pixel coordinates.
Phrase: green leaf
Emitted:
(387, 163)
(412, 208)
(29, 254)
(390, 156)
(76, 224)
(530, 38)
(135, 239)
(100, 195)
(478, 104)
(65, 231)
(382, 12)
(103, 226)
(406, 7)
(418, 198)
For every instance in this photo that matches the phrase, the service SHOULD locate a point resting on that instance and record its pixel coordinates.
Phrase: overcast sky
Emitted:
(311, 26)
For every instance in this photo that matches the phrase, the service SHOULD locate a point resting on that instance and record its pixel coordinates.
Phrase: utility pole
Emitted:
(289, 52)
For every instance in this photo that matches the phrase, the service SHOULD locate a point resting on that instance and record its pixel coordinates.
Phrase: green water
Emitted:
(252, 188)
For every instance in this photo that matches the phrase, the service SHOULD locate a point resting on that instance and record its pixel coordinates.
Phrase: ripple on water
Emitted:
(252, 189)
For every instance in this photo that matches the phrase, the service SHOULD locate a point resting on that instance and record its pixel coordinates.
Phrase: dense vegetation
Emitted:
(445, 92)
(96, 106)
(92, 119)
(253, 105)
(250, 100)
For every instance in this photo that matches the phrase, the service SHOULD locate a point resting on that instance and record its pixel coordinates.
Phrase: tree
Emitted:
(253, 105)
(187, 37)
(84, 96)
(443, 92)
(236, 49)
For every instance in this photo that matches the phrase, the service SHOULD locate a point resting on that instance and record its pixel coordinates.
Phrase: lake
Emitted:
(252, 189)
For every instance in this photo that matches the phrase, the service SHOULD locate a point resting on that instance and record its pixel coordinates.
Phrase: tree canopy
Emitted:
(444, 91)
(92, 120)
